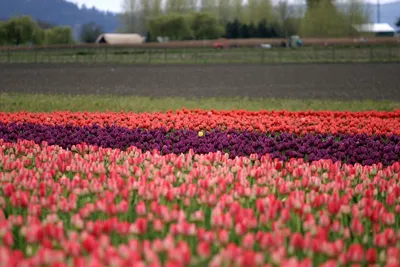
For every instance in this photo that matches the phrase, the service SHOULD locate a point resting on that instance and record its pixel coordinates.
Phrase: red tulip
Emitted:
(390, 199)
(371, 255)
(79, 261)
(333, 207)
(297, 241)
(89, 243)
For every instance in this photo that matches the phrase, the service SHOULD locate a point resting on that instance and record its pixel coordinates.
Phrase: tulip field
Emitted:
(200, 188)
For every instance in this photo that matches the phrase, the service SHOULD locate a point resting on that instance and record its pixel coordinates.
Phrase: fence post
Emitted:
(90, 52)
(262, 55)
(315, 53)
(371, 53)
(149, 52)
(280, 55)
(61, 55)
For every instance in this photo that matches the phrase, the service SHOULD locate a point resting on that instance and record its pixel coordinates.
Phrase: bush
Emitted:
(175, 26)
(59, 35)
(205, 26)
(19, 30)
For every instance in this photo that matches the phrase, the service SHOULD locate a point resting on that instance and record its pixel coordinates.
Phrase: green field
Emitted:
(202, 55)
(12, 102)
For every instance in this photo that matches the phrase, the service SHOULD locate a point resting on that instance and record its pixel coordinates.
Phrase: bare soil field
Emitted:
(301, 81)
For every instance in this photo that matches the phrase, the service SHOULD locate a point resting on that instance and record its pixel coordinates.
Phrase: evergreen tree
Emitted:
(253, 31)
(235, 29)
(148, 37)
(244, 31)
(262, 29)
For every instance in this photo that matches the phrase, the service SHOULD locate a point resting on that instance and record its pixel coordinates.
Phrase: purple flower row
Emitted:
(350, 149)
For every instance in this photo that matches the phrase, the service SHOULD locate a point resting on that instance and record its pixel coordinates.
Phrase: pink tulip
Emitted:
(357, 227)
(355, 253)
(8, 239)
(141, 208)
(203, 249)
(248, 241)
(223, 236)
(397, 209)
(380, 240)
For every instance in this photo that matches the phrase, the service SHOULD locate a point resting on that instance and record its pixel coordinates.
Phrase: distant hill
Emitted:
(59, 12)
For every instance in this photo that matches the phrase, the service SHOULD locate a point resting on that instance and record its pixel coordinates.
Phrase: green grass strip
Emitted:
(12, 102)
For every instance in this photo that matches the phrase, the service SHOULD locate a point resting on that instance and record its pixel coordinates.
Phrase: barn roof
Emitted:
(120, 38)
(374, 27)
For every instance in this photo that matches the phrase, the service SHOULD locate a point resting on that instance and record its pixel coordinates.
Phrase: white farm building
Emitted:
(120, 39)
(375, 29)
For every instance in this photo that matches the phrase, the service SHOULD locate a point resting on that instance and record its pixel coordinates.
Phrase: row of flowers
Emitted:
(351, 149)
(93, 206)
(370, 123)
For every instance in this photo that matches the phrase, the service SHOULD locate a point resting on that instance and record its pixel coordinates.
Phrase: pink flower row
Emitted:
(92, 206)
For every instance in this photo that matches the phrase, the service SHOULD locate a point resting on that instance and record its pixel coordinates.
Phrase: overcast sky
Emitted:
(115, 5)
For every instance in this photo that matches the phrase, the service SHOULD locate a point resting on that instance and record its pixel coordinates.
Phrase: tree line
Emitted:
(210, 19)
(203, 25)
(24, 30)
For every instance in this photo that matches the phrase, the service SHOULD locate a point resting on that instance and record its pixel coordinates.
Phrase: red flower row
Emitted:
(371, 122)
